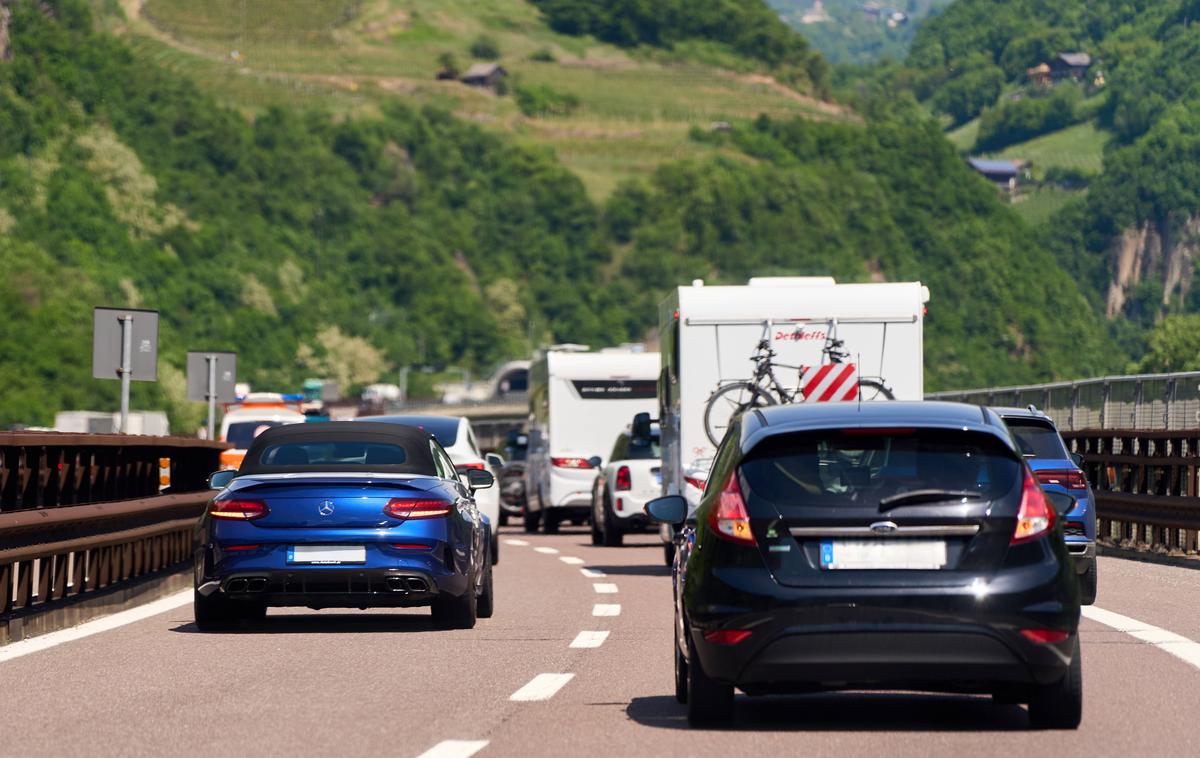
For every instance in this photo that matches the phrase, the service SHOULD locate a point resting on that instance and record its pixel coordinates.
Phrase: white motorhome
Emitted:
(709, 336)
(578, 403)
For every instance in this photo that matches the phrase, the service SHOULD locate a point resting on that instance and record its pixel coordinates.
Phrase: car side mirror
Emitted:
(478, 479)
(595, 461)
(495, 461)
(671, 509)
(641, 425)
(1061, 502)
(219, 480)
(1078, 459)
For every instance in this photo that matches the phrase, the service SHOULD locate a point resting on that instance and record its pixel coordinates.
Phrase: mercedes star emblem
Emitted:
(325, 508)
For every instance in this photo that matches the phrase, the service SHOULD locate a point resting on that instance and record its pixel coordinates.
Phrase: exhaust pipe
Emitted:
(257, 584)
(417, 585)
(396, 584)
(236, 586)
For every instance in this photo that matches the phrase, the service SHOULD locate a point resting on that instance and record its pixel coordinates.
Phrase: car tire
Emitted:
(1059, 705)
(1087, 585)
(681, 674)
(550, 522)
(486, 603)
(597, 537)
(669, 553)
(503, 517)
(531, 521)
(609, 529)
(213, 613)
(495, 549)
(460, 612)
(708, 701)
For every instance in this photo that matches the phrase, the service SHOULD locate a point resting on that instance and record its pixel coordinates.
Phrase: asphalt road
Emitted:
(527, 682)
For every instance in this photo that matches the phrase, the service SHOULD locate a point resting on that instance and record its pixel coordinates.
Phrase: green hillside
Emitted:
(849, 34)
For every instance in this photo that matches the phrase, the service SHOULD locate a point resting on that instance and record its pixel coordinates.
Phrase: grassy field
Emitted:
(347, 55)
(1039, 205)
(1078, 147)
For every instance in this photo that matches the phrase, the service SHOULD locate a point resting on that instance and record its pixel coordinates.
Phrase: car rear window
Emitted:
(364, 454)
(1037, 439)
(861, 467)
(444, 430)
(242, 433)
(644, 448)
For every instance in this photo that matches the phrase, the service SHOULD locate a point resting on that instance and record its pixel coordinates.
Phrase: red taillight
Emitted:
(462, 467)
(624, 478)
(727, 636)
(238, 510)
(1036, 517)
(695, 482)
(1043, 636)
(1072, 479)
(570, 463)
(729, 519)
(239, 547)
(410, 509)
(409, 546)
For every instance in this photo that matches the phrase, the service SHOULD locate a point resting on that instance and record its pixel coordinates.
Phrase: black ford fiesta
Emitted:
(874, 546)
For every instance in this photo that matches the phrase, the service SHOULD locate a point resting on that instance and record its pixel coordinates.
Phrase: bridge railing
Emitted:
(81, 512)
(1139, 437)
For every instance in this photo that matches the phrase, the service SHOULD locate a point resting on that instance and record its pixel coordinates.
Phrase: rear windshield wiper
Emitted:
(925, 496)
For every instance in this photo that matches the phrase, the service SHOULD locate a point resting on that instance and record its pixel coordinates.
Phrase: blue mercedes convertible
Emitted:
(344, 515)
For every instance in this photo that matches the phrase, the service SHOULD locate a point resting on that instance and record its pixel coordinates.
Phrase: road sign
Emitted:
(125, 347)
(197, 376)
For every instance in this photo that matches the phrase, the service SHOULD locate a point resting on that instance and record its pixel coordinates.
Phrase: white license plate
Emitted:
(883, 554)
(327, 555)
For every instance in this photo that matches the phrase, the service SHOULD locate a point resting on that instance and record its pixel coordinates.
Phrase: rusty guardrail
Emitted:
(81, 512)
(1147, 486)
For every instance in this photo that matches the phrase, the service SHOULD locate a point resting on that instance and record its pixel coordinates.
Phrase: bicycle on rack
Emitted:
(731, 399)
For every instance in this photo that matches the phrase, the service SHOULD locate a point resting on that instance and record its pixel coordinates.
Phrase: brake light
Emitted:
(880, 431)
(624, 478)
(727, 636)
(1072, 479)
(1043, 636)
(411, 509)
(729, 518)
(460, 468)
(1036, 517)
(239, 547)
(238, 510)
(570, 463)
(696, 482)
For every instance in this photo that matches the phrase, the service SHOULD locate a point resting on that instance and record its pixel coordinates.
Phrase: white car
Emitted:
(694, 479)
(454, 433)
(631, 478)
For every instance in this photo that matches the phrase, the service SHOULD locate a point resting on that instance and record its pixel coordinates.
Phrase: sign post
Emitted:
(212, 377)
(125, 347)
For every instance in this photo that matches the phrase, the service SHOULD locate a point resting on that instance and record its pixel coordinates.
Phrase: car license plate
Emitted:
(883, 554)
(327, 555)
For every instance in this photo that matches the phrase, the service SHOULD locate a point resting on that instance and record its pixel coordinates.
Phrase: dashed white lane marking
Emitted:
(546, 550)
(116, 620)
(605, 609)
(454, 749)
(605, 588)
(1177, 645)
(571, 560)
(589, 639)
(593, 573)
(518, 543)
(541, 687)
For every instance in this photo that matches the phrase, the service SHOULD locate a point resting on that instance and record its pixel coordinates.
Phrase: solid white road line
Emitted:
(604, 588)
(454, 749)
(116, 620)
(589, 639)
(546, 550)
(571, 560)
(593, 573)
(603, 609)
(518, 543)
(1179, 646)
(541, 687)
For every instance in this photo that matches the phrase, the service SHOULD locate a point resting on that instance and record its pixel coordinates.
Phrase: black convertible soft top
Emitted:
(378, 441)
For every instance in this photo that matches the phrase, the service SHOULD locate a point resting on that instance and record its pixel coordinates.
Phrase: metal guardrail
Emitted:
(81, 512)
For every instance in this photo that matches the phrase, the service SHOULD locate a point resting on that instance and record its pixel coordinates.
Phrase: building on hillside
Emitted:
(1039, 75)
(816, 14)
(1070, 66)
(489, 75)
(1005, 174)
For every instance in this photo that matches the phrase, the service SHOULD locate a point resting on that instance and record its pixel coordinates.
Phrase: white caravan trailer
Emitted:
(710, 334)
(578, 403)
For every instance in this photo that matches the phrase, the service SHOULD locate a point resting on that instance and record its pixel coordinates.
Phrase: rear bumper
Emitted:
(1083, 553)
(335, 588)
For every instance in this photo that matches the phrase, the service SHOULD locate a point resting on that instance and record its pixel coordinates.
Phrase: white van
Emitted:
(709, 336)
(578, 403)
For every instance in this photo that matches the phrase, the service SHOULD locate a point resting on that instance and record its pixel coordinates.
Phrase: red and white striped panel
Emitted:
(831, 382)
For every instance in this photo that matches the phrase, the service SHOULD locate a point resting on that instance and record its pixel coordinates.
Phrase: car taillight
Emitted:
(462, 467)
(1071, 479)
(238, 510)
(411, 509)
(727, 636)
(624, 478)
(1044, 636)
(570, 463)
(695, 482)
(1035, 517)
(729, 518)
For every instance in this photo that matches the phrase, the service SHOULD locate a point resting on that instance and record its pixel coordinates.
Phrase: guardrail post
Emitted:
(1104, 396)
